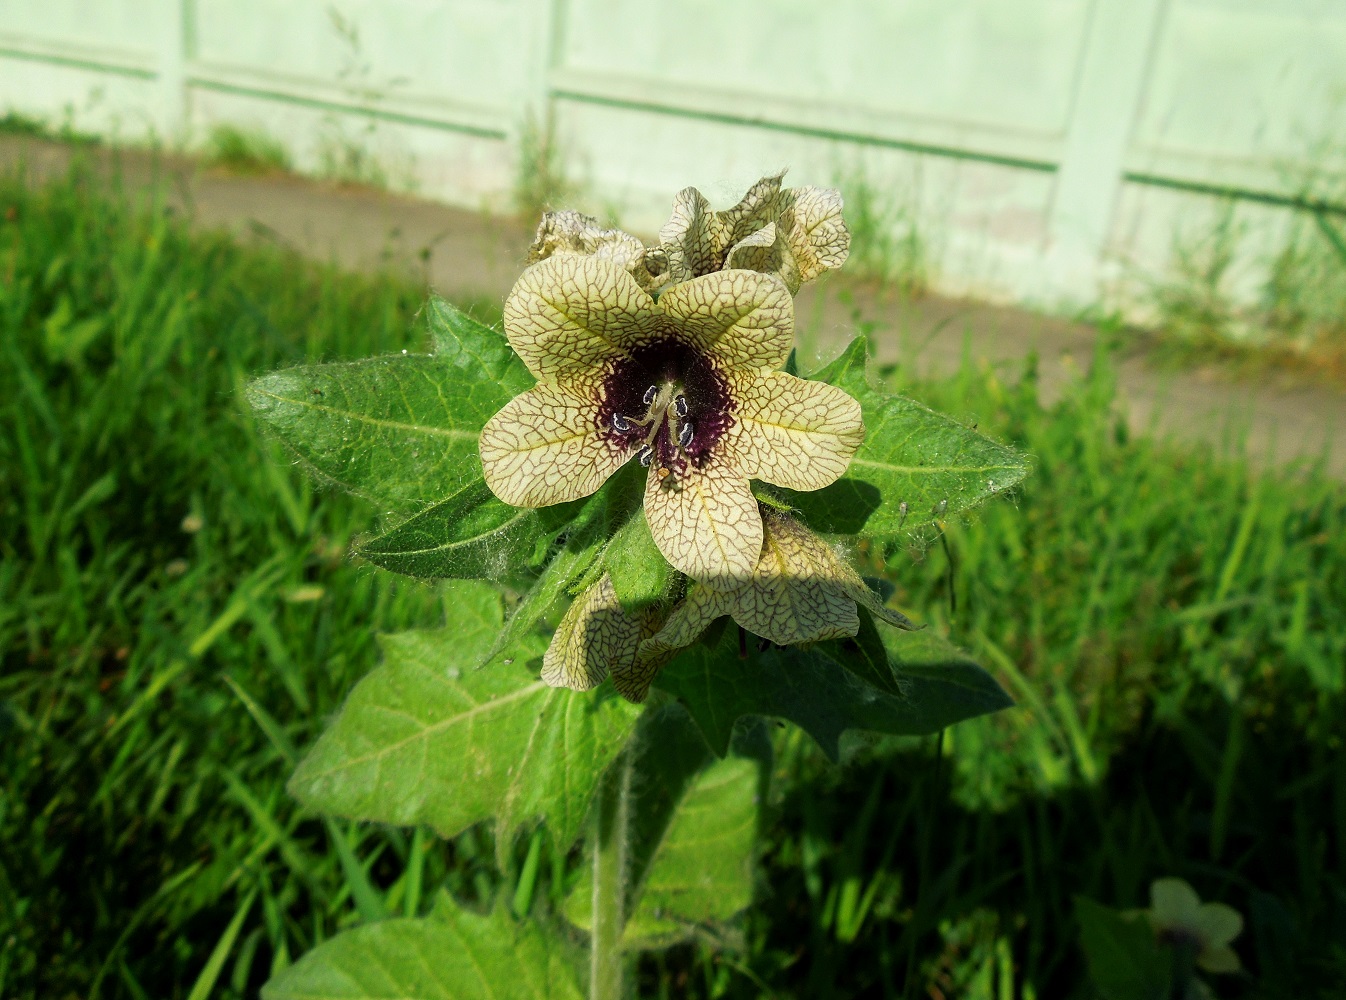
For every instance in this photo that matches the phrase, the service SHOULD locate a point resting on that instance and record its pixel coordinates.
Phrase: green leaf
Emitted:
(640, 573)
(577, 563)
(691, 836)
(816, 688)
(910, 455)
(454, 954)
(400, 430)
(478, 350)
(1125, 961)
(470, 536)
(427, 738)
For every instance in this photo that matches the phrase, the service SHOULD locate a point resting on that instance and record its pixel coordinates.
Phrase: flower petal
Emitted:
(792, 432)
(689, 619)
(816, 230)
(1173, 904)
(742, 318)
(544, 447)
(800, 591)
(693, 238)
(705, 522)
(568, 315)
(1219, 960)
(595, 636)
(1218, 924)
(758, 207)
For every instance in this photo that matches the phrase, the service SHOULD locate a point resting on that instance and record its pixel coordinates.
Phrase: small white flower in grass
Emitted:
(688, 385)
(1180, 919)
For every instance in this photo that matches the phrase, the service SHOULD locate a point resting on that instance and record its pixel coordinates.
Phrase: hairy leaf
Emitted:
(427, 738)
(477, 349)
(815, 688)
(910, 455)
(690, 839)
(454, 954)
(470, 536)
(401, 430)
(640, 573)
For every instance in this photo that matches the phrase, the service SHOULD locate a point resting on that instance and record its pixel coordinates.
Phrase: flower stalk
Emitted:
(610, 872)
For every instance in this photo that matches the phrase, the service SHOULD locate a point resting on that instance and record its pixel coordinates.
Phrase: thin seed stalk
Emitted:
(611, 869)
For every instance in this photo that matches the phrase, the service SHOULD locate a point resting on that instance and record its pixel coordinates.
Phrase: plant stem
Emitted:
(611, 815)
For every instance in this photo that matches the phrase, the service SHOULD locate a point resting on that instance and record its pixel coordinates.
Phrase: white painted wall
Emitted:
(1052, 151)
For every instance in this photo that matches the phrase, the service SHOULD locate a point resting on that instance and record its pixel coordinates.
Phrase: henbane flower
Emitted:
(795, 233)
(689, 385)
(800, 591)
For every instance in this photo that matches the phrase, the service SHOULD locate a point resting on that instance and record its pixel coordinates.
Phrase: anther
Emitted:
(651, 394)
(620, 424)
(646, 455)
(680, 405)
(685, 434)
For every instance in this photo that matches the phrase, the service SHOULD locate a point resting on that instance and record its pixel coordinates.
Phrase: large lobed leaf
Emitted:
(910, 455)
(428, 738)
(401, 430)
(691, 838)
(830, 687)
(454, 954)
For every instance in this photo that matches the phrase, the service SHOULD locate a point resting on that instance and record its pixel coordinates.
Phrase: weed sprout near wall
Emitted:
(637, 442)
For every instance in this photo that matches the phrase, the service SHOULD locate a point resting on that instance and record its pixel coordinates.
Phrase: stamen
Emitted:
(685, 434)
(646, 455)
(620, 424)
(680, 405)
(650, 394)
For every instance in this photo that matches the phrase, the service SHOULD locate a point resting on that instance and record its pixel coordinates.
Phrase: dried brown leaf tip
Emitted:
(793, 233)
(688, 385)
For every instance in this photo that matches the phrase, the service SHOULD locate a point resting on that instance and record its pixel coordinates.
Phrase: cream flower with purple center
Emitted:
(688, 385)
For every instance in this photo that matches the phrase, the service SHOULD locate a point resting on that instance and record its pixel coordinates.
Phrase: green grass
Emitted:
(245, 152)
(177, 614)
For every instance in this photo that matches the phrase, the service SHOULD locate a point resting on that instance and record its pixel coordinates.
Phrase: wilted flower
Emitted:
(1180, 919)
(800, 591)
(795, 233)
(571, 232)
(688, 384)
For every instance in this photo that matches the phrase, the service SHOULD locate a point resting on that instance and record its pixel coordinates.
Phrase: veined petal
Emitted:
(759, 206)
(595, 636)
(693, 238)
(800, 591)
(816, 230)
(689, 619)
(744, 319)
(705, 522)
(767, 251)
(544, 447)
(569, 315)
(792, 432)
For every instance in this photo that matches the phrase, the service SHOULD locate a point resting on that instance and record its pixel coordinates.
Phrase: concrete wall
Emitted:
(1049, 151)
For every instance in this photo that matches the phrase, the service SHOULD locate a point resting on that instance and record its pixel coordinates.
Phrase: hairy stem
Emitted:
(611, 816)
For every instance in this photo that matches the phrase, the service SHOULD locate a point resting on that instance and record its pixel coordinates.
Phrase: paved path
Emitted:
(463, 253)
